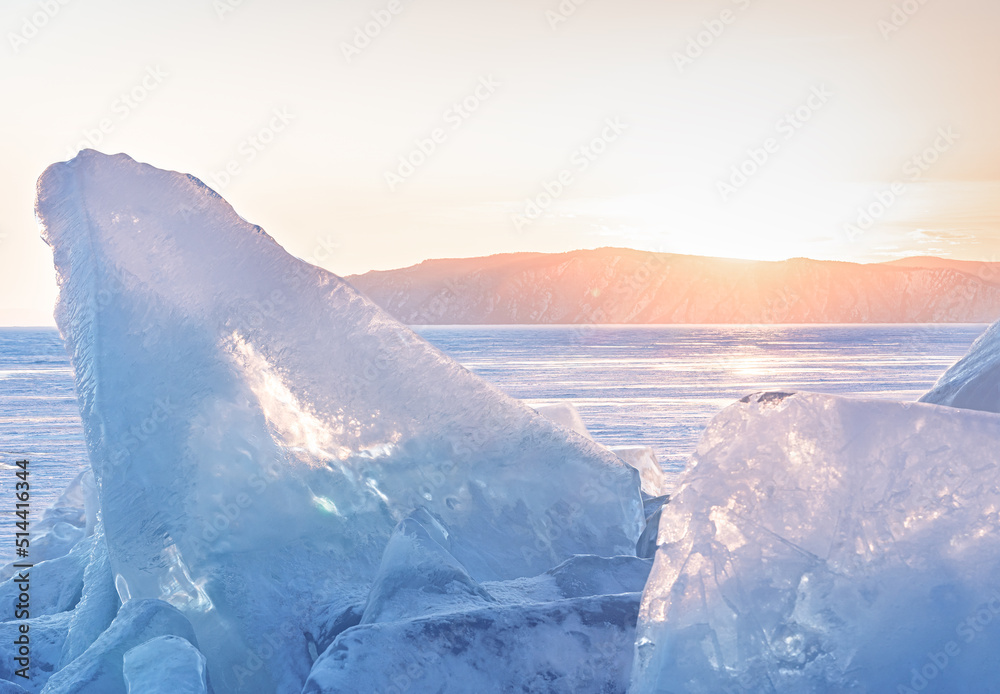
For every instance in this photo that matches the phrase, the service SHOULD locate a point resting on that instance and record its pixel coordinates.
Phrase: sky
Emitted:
(375, 134)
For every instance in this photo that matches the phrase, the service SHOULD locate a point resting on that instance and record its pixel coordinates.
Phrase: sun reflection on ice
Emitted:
(298, 428)
(326, 505)
(178, 588)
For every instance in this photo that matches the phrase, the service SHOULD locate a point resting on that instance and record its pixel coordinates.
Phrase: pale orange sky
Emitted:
(870, 98)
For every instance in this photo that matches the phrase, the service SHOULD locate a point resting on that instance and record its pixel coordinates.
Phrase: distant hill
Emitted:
(618, 285)
(986, 271)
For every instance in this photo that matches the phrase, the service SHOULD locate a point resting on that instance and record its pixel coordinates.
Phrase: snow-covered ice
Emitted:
(11, 688)
(257, 429)
(575, 646)
(823, 544)
(565, 415)
(99, 668)
(974, 382)
(579, 577)
(47, 633)
(570, 629)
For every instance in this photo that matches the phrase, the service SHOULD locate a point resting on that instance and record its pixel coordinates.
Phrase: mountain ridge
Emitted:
(628, 286)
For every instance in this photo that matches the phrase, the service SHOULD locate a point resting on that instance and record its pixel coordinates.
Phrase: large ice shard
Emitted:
(99, 601)
(974, 382)
(821, 544)
(257, 427)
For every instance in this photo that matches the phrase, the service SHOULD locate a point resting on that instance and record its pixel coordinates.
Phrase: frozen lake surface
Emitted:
(655, 385)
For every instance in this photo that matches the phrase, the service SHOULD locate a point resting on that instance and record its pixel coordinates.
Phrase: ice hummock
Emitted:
(257, 428)
(575, 646)
(418, 576)
(101, 668)
(643, 458)
(823, 544)
(165, 665)
(974, 382)
(428, 626)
